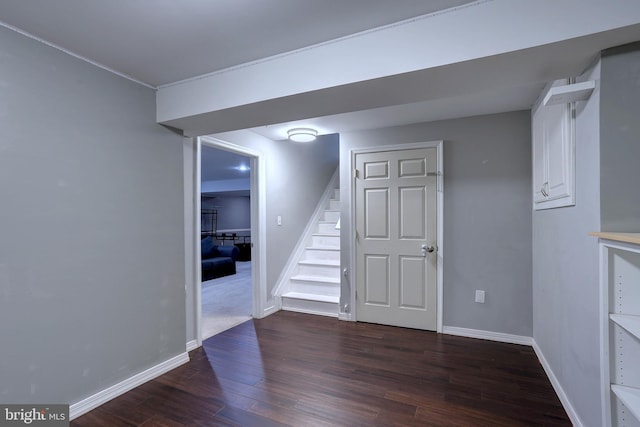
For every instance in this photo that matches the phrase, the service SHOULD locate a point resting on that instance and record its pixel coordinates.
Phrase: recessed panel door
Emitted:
(396, 225)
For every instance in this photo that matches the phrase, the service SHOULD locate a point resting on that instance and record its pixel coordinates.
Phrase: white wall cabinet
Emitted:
(620, 327)
(553, 141)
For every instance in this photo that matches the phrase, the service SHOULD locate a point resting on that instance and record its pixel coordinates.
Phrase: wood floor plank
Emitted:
(293, 369)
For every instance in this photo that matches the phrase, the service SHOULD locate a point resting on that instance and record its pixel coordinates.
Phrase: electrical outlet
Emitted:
(279, 220)
(480, 296)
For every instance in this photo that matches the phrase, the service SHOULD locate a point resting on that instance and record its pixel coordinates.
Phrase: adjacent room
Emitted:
(225, 231)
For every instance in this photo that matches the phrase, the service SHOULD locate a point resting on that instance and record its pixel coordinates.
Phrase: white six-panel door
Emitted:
(396, 235)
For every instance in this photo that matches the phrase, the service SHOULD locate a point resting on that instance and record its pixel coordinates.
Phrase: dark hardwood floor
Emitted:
(301, 370)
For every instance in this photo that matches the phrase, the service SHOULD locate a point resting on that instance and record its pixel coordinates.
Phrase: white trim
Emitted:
(258, 222)
(298, 251)
(352, 280)
(270, 310)
(102, 397)
(197, 228)
(571, 412)
(192, 345)
(191, 267)
(347, 317)
(487, 335)
(605, 369)
(75, 55)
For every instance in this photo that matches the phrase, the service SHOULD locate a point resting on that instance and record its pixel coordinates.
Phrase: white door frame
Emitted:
(258, 228)
(440, 219)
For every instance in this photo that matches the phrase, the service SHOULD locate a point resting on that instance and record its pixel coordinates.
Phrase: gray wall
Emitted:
(296, 177)
(565, 274)
(234, 212)
(487, 214)
(620, 139)
(91, 226)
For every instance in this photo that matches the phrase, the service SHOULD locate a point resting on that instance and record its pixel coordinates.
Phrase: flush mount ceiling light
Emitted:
(302, 134)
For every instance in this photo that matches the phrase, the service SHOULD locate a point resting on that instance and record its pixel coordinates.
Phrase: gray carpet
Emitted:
(226, 301)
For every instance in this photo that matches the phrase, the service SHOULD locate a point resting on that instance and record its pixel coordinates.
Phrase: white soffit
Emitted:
(481, 46)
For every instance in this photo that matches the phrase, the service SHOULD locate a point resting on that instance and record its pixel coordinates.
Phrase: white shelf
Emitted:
(620, 352)
(629, 396)
(628, 322)
(569, 93)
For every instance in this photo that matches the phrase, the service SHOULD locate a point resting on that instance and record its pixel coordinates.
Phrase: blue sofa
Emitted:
(217, 261)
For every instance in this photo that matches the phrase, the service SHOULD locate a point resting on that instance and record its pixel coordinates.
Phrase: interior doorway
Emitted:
(249, 264)
(225, 236)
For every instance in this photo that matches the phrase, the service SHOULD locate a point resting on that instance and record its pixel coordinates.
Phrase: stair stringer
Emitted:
(305, 240)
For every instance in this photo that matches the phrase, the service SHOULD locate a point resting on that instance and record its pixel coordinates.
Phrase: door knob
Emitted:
(424, 249)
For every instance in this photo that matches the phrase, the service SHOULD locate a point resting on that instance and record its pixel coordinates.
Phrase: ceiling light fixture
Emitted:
(302, 134)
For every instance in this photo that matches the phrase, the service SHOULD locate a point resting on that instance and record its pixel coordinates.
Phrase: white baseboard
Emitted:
(192, 345)
(347, 317)
(487, 335)
(122, 387)
(269, 311)
(573, 416)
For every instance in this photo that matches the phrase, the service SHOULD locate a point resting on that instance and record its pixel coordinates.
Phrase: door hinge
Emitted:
(355, 173)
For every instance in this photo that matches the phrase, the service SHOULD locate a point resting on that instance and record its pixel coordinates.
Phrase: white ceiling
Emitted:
(163, 41)
(158, 42)
(223, 165)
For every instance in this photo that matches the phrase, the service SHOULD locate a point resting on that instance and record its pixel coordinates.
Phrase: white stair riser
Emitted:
(311, 254)
(331, 216)
(310, 307)
(328, 228)
(319, 270)
(324, 240)
(317, 288)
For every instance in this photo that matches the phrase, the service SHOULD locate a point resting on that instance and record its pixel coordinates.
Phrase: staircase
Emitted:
(314, 283)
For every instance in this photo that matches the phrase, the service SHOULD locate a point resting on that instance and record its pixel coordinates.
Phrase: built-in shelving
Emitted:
(628, 322)
(629, 396)
(620, 331)
(618, 237)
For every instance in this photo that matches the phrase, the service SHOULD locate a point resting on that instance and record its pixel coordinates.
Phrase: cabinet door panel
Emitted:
(553, 153)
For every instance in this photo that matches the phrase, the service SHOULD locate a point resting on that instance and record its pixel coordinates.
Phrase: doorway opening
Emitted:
(225, 236)
(231, 219)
